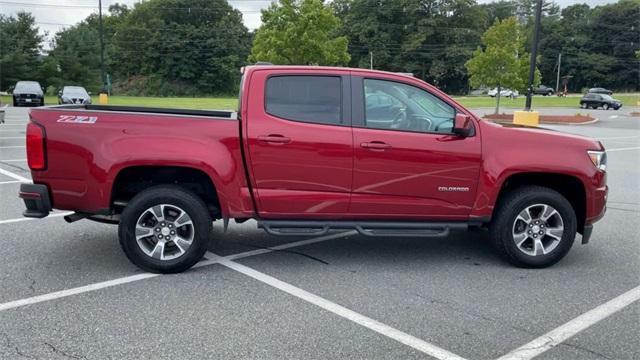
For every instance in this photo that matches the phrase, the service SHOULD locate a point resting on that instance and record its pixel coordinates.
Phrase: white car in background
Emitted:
(503, 93)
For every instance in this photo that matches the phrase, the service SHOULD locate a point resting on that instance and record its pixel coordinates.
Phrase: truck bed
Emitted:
(88, 146)
(226, 114)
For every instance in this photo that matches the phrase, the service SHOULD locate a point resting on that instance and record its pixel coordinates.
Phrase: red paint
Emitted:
(305, 170)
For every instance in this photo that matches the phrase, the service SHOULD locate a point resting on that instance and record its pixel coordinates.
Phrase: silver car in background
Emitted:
(74, 95)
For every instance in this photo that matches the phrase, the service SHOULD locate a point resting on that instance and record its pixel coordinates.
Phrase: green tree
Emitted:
(502, 62)
(20, 46)
(615, 30)
(299, 32)
(180, 47)
(75, 56)
(431, 39)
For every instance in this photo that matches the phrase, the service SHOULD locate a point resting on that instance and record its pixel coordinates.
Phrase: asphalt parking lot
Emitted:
(68, 292)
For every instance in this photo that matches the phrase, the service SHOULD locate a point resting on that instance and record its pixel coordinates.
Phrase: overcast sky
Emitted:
(54, 15)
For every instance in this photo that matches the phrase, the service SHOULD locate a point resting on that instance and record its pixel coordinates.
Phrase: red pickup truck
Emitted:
(311, 150)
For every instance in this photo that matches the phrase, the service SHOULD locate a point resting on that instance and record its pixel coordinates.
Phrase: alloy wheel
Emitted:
(164, 232)
(538, 229)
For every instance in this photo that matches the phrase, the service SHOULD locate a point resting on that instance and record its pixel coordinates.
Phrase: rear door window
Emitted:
(314, 99)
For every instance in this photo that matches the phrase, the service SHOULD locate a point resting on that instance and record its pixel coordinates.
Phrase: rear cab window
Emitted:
(305, 98)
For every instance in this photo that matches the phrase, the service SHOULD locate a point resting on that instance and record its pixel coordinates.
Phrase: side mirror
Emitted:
(462, 125)
(89, 93)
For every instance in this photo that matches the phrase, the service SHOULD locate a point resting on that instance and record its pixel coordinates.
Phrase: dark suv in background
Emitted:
(595, 101)
(28, 93)
(543, 90)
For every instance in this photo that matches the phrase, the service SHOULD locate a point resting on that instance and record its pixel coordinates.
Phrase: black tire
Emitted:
(504, 220)
(15, 103)
(171, 195)
(583, 105)
(605, 106)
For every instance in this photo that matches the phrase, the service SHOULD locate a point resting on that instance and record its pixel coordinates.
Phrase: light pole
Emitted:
(534, 54)
(558, 77)
(102, 75)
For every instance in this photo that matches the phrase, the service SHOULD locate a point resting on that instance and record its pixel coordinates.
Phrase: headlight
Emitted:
(598, 158)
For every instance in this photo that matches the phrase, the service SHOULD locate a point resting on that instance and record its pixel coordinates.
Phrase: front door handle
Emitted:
(375, 145)
(274, 139)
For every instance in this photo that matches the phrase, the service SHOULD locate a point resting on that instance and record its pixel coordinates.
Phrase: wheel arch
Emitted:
(130, 180)
(571, 187)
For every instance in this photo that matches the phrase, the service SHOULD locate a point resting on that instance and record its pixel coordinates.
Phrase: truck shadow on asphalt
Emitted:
(471, 248)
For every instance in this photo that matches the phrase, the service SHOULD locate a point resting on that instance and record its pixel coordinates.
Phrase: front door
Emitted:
(300, 144)
(408, 165)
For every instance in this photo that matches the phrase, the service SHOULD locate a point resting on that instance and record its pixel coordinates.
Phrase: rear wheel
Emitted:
(165, 229)
(534, 227)
(583, 105)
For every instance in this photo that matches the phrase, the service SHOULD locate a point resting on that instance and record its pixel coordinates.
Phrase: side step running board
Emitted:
(368, 228)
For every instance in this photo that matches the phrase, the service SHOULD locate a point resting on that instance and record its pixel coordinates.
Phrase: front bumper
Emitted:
(29, 101)
(36, 199)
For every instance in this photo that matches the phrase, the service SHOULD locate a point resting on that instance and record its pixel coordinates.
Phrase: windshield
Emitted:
(28, 86)
(606, 97)
(74, 91)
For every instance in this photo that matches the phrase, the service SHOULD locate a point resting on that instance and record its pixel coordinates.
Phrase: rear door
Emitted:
(300, 145)
(409, 165)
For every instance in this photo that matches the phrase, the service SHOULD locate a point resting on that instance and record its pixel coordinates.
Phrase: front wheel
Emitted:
(165, 229)
(605, 107)
(534, 227)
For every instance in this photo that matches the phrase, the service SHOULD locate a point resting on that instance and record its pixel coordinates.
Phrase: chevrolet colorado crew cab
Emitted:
(311, 150)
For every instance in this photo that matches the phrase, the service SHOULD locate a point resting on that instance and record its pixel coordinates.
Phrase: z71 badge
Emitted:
(77, 119)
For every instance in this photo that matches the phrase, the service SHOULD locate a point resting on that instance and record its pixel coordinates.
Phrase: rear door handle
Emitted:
(274, 139)
(375, 145)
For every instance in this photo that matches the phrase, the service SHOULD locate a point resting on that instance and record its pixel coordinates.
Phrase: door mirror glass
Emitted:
(462, 125)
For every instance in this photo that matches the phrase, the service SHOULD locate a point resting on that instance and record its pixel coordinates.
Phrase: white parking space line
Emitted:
(380, 328)
(573, 327)
(624, 149)
(10, 182)
(129, 279)
(75, 291)
(10, 221)
(14, 160)
(14, 176)
(12, 147)
(12, 138)
(12, 131)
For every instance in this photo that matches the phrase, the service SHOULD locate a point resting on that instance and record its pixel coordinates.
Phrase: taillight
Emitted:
(35, 147)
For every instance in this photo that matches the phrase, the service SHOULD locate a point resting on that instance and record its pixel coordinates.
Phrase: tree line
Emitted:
(196, 47)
